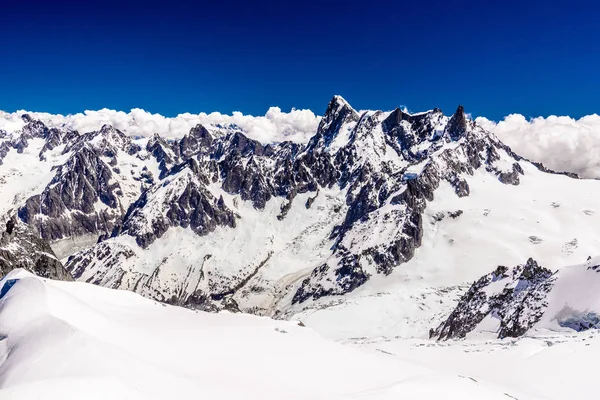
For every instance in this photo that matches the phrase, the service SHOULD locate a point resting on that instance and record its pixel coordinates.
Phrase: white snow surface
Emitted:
(549, 366)
(24, 175)
(69, 340)
(574, 296)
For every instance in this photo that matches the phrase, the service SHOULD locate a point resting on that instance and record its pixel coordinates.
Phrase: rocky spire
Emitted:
(457, 126)
(338, 113)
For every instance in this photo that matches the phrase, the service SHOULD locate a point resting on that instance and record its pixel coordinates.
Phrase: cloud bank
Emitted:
(274, 126)
(560, 143)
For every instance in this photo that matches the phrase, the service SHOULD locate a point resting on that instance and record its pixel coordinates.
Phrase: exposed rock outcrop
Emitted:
(513, 300)
(20, 247)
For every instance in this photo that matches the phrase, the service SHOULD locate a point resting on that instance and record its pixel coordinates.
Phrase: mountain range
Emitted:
(378, 211)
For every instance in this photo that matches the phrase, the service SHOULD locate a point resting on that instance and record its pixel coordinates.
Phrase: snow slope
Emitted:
(549, 366)
(65, 340)
(24, 174)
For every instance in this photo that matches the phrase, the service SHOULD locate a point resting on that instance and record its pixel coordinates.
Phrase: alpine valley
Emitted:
(417, 235)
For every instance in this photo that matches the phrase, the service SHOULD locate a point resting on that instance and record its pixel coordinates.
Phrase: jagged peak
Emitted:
(154, 140)
(458, 124)
(199, 129)
(242, 144)
(109, 132)
(339, 101)
(108, 139)
(337, 105)
(338, 113)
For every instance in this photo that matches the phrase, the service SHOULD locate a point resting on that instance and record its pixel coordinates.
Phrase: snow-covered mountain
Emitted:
(370, 233)
(375, 210)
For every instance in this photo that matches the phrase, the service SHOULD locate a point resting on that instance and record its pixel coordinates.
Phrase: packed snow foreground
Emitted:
(67, 340)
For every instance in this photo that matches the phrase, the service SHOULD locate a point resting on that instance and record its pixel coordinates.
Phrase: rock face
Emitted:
(69, 204)
(511, 300)
(182, 201)
(163, 153)
(20, 247)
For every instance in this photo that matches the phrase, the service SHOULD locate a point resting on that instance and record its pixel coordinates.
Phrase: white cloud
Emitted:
(560, 143)
(275, 125)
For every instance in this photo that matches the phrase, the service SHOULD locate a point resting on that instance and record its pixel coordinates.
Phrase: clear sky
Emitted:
(495, 57)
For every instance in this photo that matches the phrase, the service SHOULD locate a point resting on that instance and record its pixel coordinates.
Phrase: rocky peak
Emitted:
(107, 141)
(182, 200)
(32, 129)
(458, 124)
(197, 140)
(82, 198)
(532, 271)
(406, 132)
(241, 145)
(394, 119)
(338, 113)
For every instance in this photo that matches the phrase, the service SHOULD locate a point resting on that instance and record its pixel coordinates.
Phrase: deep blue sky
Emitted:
(495, 57)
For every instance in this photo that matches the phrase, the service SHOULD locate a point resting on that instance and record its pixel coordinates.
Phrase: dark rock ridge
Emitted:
(33, 129)
(67, 207)
(106, 142)
(515, 299)
(183, 201)
(20, 247)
